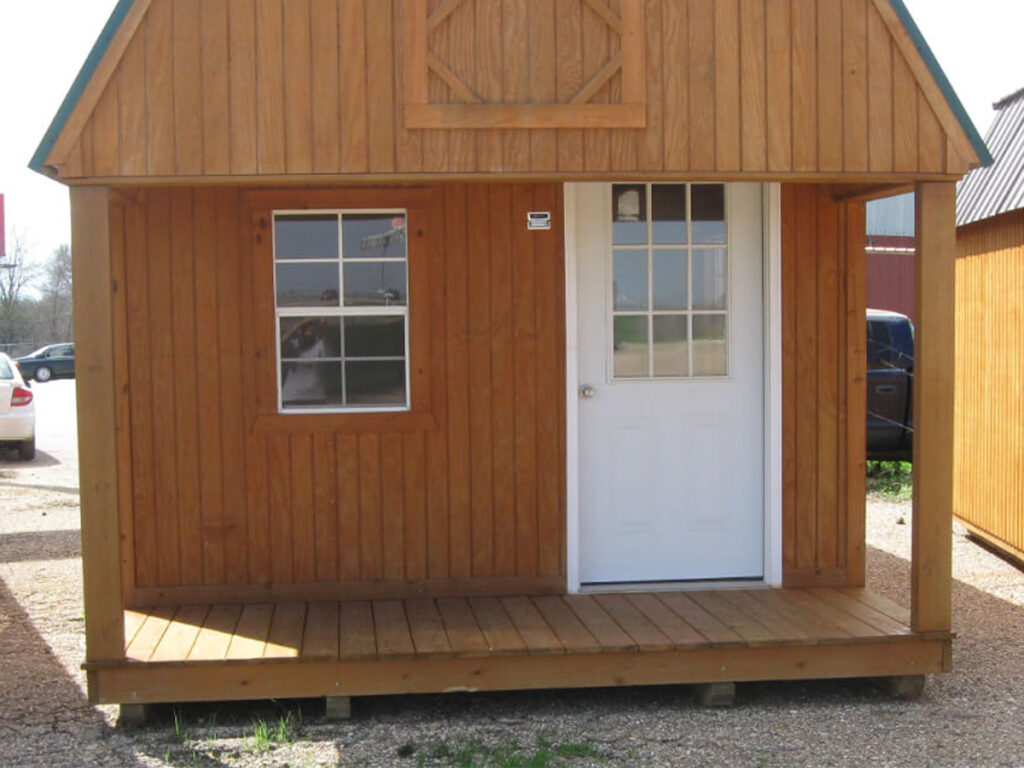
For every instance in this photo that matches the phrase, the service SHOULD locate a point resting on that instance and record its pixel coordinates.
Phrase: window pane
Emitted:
(630, 346)
(669, 279)
(374, 337)
(671, 356)
(708, 209)
(668, 213)
(710, 279)
(377, 382)
(307, 338)
(307, 284)
(306, 237)
(629, 289)
(375, 284)
(709, 348)
(6, 372)
(629, 214)
(311, 384)
(373, 236)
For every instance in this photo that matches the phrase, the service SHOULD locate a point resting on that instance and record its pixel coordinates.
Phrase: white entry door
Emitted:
(671, 373)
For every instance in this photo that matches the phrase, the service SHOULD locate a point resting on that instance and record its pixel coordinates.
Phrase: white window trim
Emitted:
(341, 312)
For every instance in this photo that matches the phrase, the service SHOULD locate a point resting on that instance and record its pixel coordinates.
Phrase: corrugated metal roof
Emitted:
(999, 188)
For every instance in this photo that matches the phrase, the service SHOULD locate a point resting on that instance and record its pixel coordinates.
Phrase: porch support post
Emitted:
(932, 550)
(97, 436)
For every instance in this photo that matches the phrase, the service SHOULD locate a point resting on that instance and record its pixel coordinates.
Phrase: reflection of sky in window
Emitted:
(373, 236)
(307, 284)
(306, 237)
(375, 283)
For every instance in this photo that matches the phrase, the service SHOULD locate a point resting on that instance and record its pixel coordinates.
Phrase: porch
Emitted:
(352, 648)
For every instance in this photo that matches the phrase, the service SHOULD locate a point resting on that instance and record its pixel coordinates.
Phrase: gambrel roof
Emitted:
(401, 88)
(998, 188)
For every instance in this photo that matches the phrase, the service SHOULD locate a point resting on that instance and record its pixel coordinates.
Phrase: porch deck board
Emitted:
(647, 622)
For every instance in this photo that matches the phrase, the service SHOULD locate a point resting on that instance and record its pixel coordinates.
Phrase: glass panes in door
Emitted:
(670, 281)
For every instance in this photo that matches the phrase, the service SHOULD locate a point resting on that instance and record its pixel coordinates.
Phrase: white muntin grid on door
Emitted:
(649, 312)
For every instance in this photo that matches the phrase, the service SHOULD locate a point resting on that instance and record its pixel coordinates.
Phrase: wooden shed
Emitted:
(433, 345)
(989, 486)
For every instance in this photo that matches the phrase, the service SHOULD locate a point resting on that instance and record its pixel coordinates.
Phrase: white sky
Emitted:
(44, 42)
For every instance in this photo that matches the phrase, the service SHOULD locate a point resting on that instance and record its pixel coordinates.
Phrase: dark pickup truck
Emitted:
(890, 386)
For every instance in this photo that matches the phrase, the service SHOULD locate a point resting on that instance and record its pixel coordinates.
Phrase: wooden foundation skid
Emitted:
(358, 648)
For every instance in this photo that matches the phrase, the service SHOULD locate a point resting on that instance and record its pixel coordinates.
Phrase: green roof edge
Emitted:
(943, 82)
(92, 61)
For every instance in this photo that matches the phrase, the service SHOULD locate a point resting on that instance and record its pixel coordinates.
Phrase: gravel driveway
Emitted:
(972, 717)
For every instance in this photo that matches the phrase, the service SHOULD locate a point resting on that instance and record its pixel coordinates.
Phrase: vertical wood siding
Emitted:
(823, 375)
(989, 411)
(212, 503)
(315, 87)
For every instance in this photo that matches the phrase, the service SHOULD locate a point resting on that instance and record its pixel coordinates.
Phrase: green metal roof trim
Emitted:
(38, 161)
(943, 82)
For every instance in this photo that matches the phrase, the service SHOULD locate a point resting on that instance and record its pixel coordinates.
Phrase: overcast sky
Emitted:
(44, 42)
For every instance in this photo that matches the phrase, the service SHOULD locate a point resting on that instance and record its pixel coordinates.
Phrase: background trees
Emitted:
(35, 298)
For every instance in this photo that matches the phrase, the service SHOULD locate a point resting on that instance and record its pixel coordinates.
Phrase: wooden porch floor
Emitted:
(479, 627)
(356, 648)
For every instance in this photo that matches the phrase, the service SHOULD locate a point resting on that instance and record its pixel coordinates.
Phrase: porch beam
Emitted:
(931, 554)
(97, 437)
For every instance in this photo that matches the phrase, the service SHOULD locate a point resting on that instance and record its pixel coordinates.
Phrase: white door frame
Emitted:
(772, 270)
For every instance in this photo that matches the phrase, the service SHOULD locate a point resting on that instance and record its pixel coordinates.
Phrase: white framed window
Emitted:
(341, 306)
(669, 292)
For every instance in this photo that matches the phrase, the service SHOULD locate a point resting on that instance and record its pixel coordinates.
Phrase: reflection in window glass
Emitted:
(629, 285)
(709, 278)
(375, 382)
(669, 281)
(341, 308)
(306, 237)
(629, 214)
(630, 346)
(708, 210)
(709, 352)
(311, 385)
(306, 338)
(373, 236)
(307, 284)
(374, 337)
(375, 283)
(668, 214)
(671, 352)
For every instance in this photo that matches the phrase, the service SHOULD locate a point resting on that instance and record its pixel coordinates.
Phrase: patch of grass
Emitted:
(890, 479)
(265, 735)
(472, 754)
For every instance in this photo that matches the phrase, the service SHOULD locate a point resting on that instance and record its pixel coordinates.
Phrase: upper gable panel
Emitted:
(763, 88)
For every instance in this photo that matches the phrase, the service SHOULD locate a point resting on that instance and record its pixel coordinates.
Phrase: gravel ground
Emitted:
(971, 717)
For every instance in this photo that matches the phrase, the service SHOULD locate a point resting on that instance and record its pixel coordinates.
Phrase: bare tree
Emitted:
(16, 273)
(56, 295)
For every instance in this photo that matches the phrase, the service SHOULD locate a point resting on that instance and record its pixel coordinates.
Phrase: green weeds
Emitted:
(890, 479)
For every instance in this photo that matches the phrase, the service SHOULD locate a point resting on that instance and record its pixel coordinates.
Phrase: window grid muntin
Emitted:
(649, 247)
(341, 312)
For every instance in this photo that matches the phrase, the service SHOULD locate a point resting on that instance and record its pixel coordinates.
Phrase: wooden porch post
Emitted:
(97, 438)
(932, 552)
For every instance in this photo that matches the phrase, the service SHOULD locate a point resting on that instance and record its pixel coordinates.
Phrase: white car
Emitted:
(17, 412)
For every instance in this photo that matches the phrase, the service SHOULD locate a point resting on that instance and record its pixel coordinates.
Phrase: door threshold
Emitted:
(672, 586)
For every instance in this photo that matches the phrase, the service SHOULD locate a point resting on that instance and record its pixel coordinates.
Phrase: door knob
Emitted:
(587, 392)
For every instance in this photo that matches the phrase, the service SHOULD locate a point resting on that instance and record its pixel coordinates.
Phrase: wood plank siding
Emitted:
(823, 379)
(989, 445)
(223, 504)
(318, 87)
